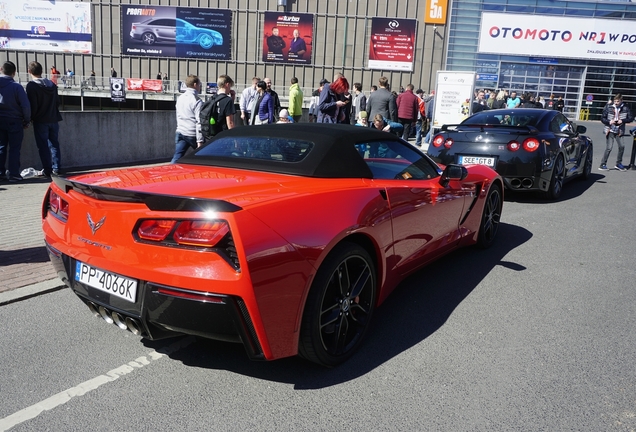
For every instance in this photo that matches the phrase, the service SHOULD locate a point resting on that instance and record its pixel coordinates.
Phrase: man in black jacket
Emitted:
(45, 114)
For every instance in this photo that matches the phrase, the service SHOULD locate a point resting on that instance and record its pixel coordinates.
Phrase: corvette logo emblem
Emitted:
(94, 226)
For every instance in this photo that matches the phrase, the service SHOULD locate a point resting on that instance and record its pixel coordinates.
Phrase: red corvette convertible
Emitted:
(284, 238)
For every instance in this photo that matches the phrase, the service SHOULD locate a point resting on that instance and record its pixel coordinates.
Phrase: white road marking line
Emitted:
(83, 388)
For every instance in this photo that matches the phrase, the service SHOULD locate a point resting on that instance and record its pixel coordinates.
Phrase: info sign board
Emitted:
(392, 44)
(46, 26)
(453, 97)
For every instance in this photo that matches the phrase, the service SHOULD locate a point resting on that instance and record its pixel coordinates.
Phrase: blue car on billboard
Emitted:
(156, 30)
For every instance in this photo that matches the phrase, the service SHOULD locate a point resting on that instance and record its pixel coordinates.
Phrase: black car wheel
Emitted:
(339, 306)
(490, 218)
(558, 176)
(587, 169)
(148, 38)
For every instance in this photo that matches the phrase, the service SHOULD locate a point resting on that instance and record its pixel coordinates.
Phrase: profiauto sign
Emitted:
(550, 36)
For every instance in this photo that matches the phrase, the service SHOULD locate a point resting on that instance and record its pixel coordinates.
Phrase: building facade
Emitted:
(586, 53)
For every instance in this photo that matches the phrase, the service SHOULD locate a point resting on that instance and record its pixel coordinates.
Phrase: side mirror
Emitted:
(453, 172)
(581, 129)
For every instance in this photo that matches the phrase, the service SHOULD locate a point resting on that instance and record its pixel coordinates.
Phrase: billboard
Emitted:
(453, 97)
(288, 38)
(46, 26)
(392, 44)
(169, 31)
(553, 36)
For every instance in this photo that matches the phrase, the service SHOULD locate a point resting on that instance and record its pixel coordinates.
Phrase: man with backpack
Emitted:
(217, 114)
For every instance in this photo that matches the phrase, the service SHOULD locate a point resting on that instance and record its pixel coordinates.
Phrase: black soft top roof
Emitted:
(332, 156)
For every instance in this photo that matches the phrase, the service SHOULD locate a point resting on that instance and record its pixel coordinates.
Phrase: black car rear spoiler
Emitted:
(152, 201)
(530, 130)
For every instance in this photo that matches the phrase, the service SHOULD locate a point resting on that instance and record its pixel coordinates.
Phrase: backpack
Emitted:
(209, 115)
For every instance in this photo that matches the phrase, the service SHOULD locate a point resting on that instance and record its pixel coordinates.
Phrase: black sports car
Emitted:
(532, 149)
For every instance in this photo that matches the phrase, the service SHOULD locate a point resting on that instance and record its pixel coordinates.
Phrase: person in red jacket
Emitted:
(408, 107)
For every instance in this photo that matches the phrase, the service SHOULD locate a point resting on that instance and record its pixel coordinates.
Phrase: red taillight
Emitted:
(200, 233)
(448, 143)
(54, 202)
(155, 230)
(438, 141)
(58, 206)
(513, 146)
(531, 144)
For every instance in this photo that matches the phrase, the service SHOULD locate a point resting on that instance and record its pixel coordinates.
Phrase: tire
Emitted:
(148, 38)
(587, 168)
(339, 306)
(490, 218)
(206, 41)
(557, 179)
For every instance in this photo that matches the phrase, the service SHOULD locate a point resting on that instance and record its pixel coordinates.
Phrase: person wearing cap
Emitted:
(284, 117)
(421, 117)
(362, 119)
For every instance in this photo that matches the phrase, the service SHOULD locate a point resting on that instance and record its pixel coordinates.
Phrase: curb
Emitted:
(29, 291)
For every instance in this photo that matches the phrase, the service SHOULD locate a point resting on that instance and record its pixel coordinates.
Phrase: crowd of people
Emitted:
(408, 113)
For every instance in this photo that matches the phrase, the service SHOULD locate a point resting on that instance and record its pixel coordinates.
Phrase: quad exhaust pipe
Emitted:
(112, 317)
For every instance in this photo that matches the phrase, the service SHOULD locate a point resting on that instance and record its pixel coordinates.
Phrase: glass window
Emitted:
(394, 160)
(276, 149)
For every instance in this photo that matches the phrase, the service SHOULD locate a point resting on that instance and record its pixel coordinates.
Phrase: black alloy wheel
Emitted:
(339, 306)
(490, 217)
(558, 176)
(587, 168)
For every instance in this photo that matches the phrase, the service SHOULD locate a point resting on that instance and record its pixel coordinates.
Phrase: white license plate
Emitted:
(477, 160)
(111, 283)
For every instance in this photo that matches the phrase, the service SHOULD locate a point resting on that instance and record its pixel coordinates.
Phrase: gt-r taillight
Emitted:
(531, 144)
(200, 233)
(57, 206)
(448, 143)
(155, 229)
(514, 146)
(438, 141)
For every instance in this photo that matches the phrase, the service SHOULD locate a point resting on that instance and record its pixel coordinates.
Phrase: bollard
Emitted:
(631, 159)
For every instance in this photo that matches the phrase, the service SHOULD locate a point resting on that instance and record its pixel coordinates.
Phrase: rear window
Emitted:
(512, 118)
(260, 148)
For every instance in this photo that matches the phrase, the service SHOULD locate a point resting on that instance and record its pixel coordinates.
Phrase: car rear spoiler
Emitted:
(154, 202)
(530, 130)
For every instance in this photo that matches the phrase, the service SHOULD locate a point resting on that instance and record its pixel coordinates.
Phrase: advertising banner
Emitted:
(135, 84)
(453, 96)
(117, 90)
(288, 38)
(168, 31)
(392, 44)
(46, 26)
(553, 36)
(435, 12)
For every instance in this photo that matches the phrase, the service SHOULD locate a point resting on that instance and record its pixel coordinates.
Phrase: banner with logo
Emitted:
(554, 36)
(288, 38)
(436, 11)
(136, 84)
(46, 26)
(117, 90)
(168, 31)
(392, 44)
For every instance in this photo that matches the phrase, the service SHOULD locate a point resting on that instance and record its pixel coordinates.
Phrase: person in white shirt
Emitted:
(248, 97)
(188, 133)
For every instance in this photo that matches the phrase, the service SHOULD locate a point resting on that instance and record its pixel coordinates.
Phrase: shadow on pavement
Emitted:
(571, 189)
(24, 256)
(418, 308)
